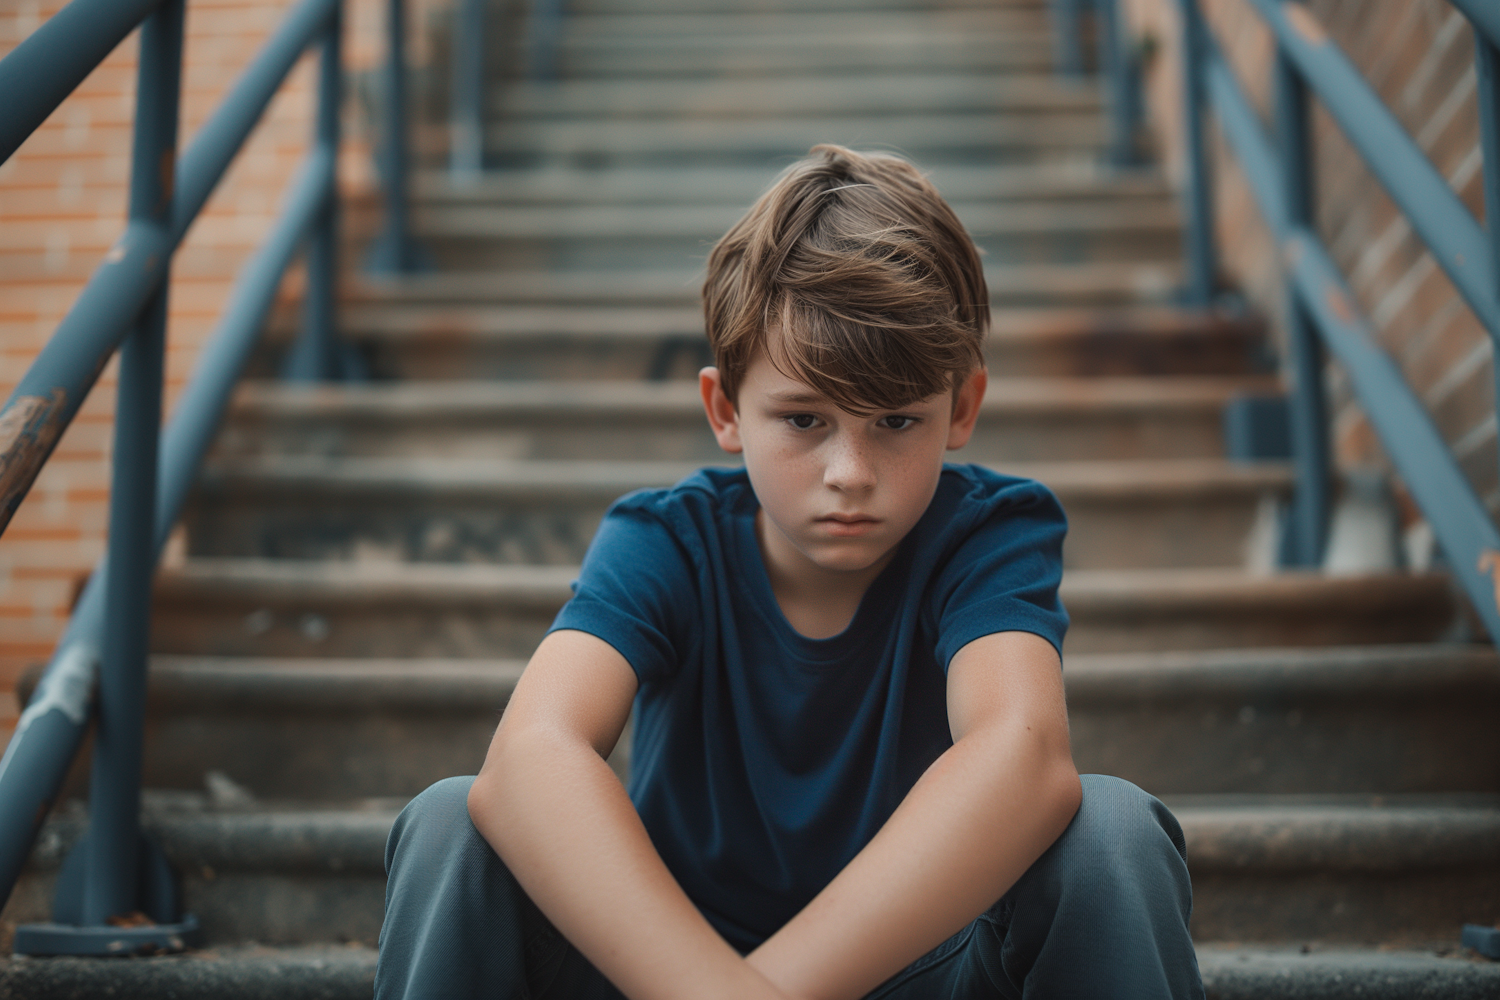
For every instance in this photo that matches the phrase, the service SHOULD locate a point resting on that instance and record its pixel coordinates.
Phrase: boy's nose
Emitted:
(849, 469)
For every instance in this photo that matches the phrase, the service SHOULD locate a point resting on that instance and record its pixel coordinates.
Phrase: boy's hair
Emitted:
(856, 278)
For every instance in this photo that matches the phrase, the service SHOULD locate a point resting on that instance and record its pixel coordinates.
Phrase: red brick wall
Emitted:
(1419, 56)
(62, 204)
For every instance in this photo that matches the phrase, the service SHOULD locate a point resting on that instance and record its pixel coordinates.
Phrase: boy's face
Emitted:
(837, 492)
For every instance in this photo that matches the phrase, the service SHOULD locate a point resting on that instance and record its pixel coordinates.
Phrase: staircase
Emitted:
(369, 566)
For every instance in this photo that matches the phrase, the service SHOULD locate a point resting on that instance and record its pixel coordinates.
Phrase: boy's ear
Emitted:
(966, 403)
(722, 416)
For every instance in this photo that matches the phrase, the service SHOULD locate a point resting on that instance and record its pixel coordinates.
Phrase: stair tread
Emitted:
(432, 399)
(1392, 671)
(1139, 280)
(1231, 971)
(1099, 590)
(805, 93)
(718, 185)
(605, 480)
(406, 309)
(705, 224)
(1224, 832)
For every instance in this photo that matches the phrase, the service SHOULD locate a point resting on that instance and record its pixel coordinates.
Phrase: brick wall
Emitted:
(62, 204)
(1419, 56)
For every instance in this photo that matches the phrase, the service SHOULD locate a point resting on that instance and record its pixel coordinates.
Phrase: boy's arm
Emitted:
(967, 830)
(559, 818)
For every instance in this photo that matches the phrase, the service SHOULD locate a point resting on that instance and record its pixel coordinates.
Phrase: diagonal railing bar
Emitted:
(214, 145)
(1459, 520)
(55, 58)
(57, 717)
(48, 396)
(123, 306)
(1437, 215)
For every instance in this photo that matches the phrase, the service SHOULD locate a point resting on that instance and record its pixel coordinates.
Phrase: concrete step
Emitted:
(1361, 719)
(1147, 513)
(778, 51)
(234, 972)
(429, 339)
(1230, 972)
(793, 94)
(584, 7)
(594, 238)
(732, 25)
(1341, 868)
(269, 607)
(1274, 869)
(1375, 719)
(1029, 184)
(1080, 285)
(1024, 419)
(973, 138)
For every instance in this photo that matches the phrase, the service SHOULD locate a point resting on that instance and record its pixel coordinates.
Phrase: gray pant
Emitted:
(1102, 914)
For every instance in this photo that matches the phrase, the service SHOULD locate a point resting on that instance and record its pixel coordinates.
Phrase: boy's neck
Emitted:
(817, 602)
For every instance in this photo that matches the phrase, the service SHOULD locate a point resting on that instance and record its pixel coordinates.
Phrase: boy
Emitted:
(851, 737)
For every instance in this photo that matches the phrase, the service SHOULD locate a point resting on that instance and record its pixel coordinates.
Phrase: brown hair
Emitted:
(868, 281)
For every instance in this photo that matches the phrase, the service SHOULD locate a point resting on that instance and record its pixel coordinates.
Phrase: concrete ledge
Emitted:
(326, 973)
(1419, 672)
(1372, 834)
(239, 973)
(1239, 973)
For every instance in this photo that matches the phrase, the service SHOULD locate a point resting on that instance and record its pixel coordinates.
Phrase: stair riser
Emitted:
(451, 353)
(1332, 906)
(606, 253)
(1286, 743)
(1001, 437)
(1423, 905)
(235, 907)
(289, 626)
(983, 54)
(1278, 743)
(555, 529)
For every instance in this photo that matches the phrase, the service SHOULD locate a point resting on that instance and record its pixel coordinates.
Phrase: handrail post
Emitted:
(544, 38)
(1308, 527)
(1067, 37)
(316, 355)
(1198, 190)
(1121, 81)
(115, 785)
(466, 111)
(114, 871)
(393, 252)
(1487, 68)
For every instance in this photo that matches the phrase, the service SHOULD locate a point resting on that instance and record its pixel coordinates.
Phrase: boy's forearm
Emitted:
(559, 818)
(957, 843)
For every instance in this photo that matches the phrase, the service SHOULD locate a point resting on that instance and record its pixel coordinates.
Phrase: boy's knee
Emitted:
(435, 812)
(1119, 829)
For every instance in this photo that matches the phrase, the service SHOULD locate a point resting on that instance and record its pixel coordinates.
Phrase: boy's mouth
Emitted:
(846, 525)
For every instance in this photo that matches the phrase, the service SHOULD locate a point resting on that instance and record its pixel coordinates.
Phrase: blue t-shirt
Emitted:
(763, 760)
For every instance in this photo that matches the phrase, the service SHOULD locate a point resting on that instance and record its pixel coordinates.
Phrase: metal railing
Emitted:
(1321, 312)
(99, 669)
(1118, 63)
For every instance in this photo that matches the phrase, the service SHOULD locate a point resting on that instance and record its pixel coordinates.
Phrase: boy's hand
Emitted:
(559, 818)
(973, 824)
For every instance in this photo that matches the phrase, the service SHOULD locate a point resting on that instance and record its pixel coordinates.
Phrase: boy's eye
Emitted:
(802, 421)
(897, 422)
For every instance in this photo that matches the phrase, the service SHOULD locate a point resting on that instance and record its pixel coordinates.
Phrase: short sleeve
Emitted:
(1003, 576)
(632, 586)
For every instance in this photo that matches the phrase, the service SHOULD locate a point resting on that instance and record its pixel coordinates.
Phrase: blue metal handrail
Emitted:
(1118, 66)
(1321, 310)
(124, 305)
